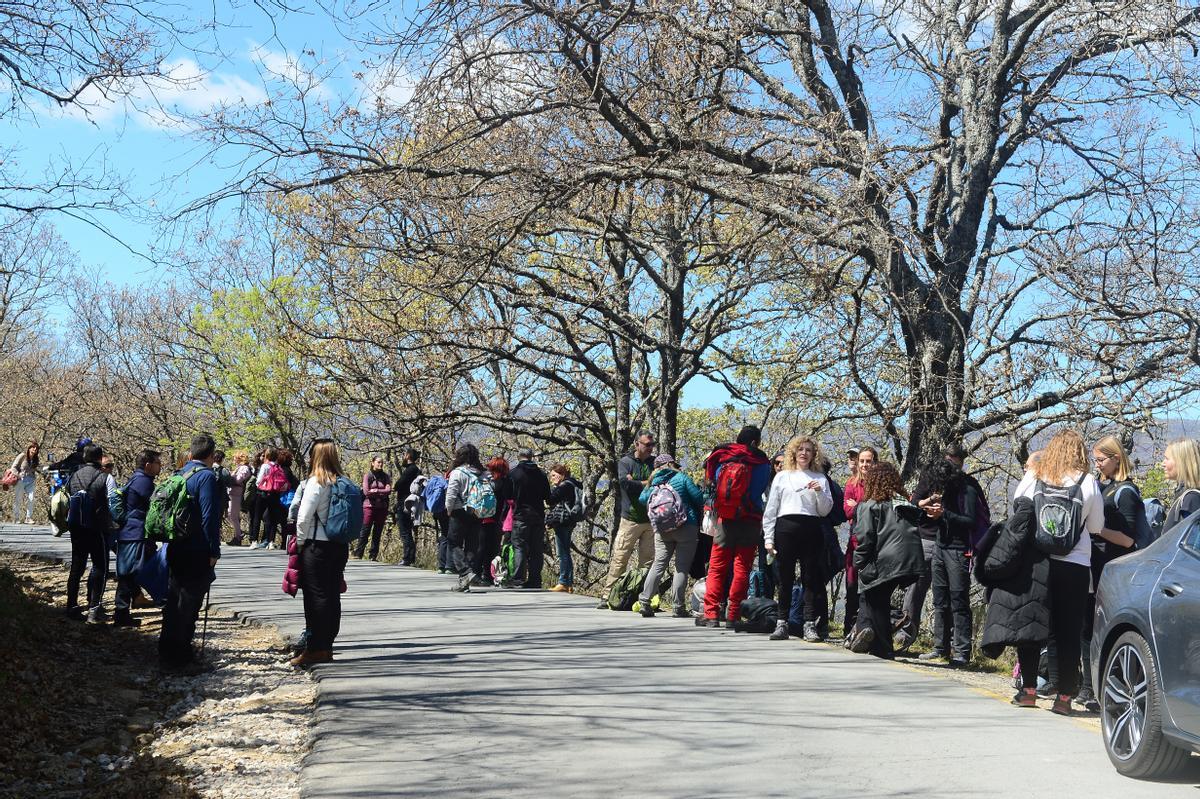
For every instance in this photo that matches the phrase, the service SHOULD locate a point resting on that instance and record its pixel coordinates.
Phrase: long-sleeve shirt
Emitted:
(852, 495)
(1186, 502)
(89, 478)
(377, 487)
(456, 487)
(203, 541)
(631, 473)
(314, 508)
(1093, 513)
(530, 492)
(791, 496)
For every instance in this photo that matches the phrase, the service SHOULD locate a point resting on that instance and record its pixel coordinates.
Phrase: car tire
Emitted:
(1131, 712)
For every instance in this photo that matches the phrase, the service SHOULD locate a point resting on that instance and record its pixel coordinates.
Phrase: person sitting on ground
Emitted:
(799, 500)
(89, 535)
(888, 556)
(132, 546)
(634, 533)
(679, 542)
(565, 496)
(377, 489)
(530, 493)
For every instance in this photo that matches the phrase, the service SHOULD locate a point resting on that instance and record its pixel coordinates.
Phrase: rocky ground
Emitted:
(85, 711)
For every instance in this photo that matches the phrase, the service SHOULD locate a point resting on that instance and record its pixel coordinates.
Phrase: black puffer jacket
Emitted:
(1017, 575)
(889, 544)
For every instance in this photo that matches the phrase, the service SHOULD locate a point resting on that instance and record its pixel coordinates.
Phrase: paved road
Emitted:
(502, 694)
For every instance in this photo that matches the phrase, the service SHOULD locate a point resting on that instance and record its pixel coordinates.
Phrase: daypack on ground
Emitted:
(479, 496)
(435, 494)
(731, 500)
(666, 509)
(504, 564)
(625, 591)
(275, 480)
(170, 508)
(757, 615)
(1058, 516)
(344, 521)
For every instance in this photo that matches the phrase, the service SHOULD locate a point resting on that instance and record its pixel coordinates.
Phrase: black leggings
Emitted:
(322, 564)
(87, 544)
(269, 510)
(1068, 604)
(801, 538)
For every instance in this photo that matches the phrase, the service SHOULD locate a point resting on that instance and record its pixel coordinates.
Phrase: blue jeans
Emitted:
(566, 567)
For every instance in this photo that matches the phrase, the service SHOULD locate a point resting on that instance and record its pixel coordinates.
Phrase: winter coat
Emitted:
(137, 502)
(1017, 576)
(291, 575)
(889, 545)
(689, 492)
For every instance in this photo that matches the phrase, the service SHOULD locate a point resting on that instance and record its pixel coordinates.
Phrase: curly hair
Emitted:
(1064, 455)
(791, 455)
(883, 482)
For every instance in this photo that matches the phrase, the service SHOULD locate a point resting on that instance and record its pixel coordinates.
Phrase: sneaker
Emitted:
(860, 642)
(236, 541)
(703, 621)
(680, 613)
(1062, 705)
(958, 663)
(646, 609)
(443, 571)
(464, 583)
(1086, 700)
(810, 632)
(902, 642)
(124, 619)
(781, 631)
(930, 656)
(1047, 690)
(1026, 697)
(97, 615)
(75, 612)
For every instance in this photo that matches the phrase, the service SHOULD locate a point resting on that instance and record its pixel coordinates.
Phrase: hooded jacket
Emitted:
(689, 492)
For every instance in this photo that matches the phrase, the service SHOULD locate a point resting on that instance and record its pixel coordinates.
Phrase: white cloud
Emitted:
(287, 68)
(387, 86)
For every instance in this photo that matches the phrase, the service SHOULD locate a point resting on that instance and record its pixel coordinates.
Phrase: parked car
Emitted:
(1146, 654)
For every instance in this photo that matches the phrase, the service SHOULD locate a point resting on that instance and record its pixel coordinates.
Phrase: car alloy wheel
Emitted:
(1126, 691)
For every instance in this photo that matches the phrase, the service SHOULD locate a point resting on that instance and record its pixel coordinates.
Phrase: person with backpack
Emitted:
(433, 499)
(269, 485)
(1181, 465)
(23, 475)
(566, 511)
(792, 527)
(405, 523)
(377, 488)
(131, 539)
(530, 494)
(193, 551)
(674, 504)
(323, 537)
(492, 529)
(634, 533)
(88, 522)
(853, 493)
(237, 488)
(466, 479)
(1068, 509)
(888, 556)
(739, 474)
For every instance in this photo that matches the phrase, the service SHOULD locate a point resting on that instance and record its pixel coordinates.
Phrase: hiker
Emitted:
(377, 489)
(405, 523)
(530, 494)
(792, 529)
(463, 533)
(88, 522)
(191, 560)
(266, 500)
(835, 559)
(739, 473)
(674, 504)
(633, 531)
(1063, 465)
(24, 469)
(131, 540)
(493, 529)
(566, 500)
(433, 499)
(853, 492)
(286, 461)
(888, 556)
(1181, 464)
(237, 489)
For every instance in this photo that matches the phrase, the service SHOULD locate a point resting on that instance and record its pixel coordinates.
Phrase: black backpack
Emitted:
(757, 615)
(1058, 517)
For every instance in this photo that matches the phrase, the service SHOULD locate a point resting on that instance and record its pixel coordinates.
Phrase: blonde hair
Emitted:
(791, 455)
(241, 458)
(1112, 448)
(1186, 454)
(326, 465)
(1064, 455)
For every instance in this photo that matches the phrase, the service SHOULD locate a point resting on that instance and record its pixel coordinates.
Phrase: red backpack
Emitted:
(733, 486)
(274, 480)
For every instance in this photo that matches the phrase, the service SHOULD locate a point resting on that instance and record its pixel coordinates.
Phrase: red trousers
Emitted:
(741, 561)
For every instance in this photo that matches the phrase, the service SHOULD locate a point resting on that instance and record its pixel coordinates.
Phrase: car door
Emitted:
(1175, 617)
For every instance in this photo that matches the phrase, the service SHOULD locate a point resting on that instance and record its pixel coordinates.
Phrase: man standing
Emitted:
(192, 558)
(634, 531)
(89, 522)
(131, 543)
(409, 472)
(531, 492)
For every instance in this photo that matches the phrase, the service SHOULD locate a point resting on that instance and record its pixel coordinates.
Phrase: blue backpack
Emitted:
(435, 494)
(345, 519)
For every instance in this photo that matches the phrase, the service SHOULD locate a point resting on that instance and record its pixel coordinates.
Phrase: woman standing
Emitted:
(889, 556)
(492, 530)
(1063, 464)
(792, 527)
(25, 468)
(1181, 464)
(271, 482)
(377, 489)
(853, 493)
(241, 475)
(564, 496)
(680, 542)
(322, 562)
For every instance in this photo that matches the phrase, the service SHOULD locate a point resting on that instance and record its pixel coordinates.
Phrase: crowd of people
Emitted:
(751, 524)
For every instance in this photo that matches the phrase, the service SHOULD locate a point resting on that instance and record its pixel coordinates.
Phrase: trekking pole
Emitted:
(204, 628)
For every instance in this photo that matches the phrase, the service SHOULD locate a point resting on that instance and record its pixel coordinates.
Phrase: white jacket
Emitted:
(791, 496)
(314, 506)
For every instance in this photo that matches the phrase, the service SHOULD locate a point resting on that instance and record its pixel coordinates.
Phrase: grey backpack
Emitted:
(1058, 514)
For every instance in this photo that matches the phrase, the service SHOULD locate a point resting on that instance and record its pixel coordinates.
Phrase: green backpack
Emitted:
(170, 508)
(624, 593)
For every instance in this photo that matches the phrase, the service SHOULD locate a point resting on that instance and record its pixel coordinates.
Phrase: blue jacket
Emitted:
(137, 501)
(689, 492)
(203, 540)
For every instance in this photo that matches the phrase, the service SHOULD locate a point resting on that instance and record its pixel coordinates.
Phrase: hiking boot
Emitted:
(301, 643)
(781, 631)
(680, 613)
(647, 610)
(810, 632)
(1062, 705)
(311, 658)
(930, 656)
(464, 583)
(561, 589)
(1086, 700)
(1026, 697)
(823, 629)
(958, 663)
(702, 621)
(97, 615)
(861, 640)
(124, 619)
